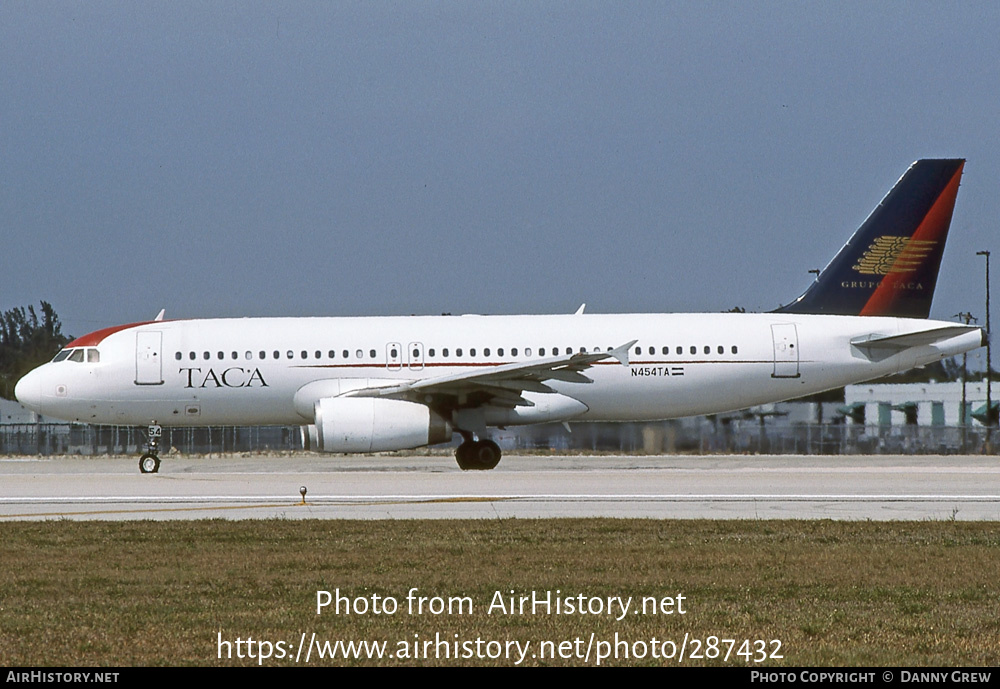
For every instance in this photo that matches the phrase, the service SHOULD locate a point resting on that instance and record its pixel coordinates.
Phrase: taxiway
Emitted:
(412, 487)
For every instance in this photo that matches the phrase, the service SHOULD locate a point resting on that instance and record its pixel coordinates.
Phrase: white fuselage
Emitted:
(248, 371)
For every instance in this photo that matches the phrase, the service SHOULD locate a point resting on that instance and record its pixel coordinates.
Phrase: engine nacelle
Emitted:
(369, 424)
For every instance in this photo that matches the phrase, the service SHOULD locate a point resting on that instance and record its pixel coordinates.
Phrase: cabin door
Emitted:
(786, 350)
(148, 364)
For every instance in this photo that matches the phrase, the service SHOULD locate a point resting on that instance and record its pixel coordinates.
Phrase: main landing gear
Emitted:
(477, 455)
(149, 463)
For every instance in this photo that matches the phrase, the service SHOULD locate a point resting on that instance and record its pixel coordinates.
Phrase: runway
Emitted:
(416, 487)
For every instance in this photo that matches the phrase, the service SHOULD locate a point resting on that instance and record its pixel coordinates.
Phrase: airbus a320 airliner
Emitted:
(379, 384)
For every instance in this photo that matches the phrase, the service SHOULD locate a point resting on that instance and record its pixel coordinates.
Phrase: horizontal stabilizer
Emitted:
(907, 340)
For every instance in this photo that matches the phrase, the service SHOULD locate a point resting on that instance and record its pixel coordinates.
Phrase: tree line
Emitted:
(27, 339)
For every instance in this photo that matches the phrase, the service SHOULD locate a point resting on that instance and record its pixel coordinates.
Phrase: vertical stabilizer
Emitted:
(890, 266)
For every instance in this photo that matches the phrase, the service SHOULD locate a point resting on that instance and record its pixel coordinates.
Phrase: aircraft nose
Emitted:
(28, 391)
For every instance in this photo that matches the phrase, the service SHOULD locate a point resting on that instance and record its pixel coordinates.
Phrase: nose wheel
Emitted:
(478, 455)
(149, 463)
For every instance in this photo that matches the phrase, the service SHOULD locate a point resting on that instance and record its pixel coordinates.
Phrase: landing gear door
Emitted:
(148, 364)
(786, 350)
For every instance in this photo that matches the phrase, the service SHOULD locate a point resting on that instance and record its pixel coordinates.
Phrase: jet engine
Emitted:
(368, 424)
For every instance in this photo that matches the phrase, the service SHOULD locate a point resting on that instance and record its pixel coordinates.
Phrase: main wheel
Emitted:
(480, 455)
(149, 463)
(463, 455)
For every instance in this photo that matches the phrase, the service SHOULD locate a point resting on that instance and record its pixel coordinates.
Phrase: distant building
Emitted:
(916, 404)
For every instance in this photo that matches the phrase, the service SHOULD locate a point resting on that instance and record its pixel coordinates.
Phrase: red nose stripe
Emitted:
(95, 338)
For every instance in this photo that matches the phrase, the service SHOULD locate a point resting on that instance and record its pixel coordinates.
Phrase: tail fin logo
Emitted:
(888, 254)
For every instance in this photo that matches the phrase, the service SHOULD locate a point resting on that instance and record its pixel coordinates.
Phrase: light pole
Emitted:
(963, 412)
(989, 359)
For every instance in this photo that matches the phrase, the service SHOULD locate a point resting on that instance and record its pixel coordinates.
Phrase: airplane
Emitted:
(373, 384)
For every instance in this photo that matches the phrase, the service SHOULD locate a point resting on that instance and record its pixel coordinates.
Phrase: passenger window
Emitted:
(318, 354)
(191, 356)
(248, 356)
(346, 354)
(289, 354)
(569, 350)
(722, 350)
(694, 350)
(734, 349)
(527, 351)
(262, 354)
(680, 350)
(472, 352)
(708, 350)
(638, 350)
(277, 354)
(371, 353)
(652, 350)
(513, 351)
(500, 351)
(331, 354)
(486, 352)
(176, 356)
(235, 355)
(205, 355)
(430, 352)
(541, 351)
(393, 353)
(458, 352)
(359, 354)
(220, 355)
(444, 352)
(666, 351)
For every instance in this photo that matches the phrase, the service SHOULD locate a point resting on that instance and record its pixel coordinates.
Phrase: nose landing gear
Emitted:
(149, 463)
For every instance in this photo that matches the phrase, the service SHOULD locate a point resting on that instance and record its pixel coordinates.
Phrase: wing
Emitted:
(500, 385)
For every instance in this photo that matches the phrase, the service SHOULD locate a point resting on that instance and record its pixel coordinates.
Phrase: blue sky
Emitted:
(242, 159)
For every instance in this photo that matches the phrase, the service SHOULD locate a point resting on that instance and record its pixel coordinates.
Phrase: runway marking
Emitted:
(146, 510)
(219, 503)
(252, 500)
(248, 505)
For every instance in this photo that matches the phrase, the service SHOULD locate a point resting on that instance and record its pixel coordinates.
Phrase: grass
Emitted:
(833, 593)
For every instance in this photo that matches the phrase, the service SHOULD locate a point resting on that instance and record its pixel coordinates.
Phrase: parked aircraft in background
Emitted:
(377, 384)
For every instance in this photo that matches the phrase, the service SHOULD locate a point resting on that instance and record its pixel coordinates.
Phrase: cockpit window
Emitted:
(63, 353)
(77, 355)
(93, 356)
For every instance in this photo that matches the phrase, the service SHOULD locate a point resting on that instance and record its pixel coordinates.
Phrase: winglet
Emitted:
(579, 311)
(621, 353)
(160, 315)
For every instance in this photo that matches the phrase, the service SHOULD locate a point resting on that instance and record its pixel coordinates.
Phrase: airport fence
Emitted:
(44, 439)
